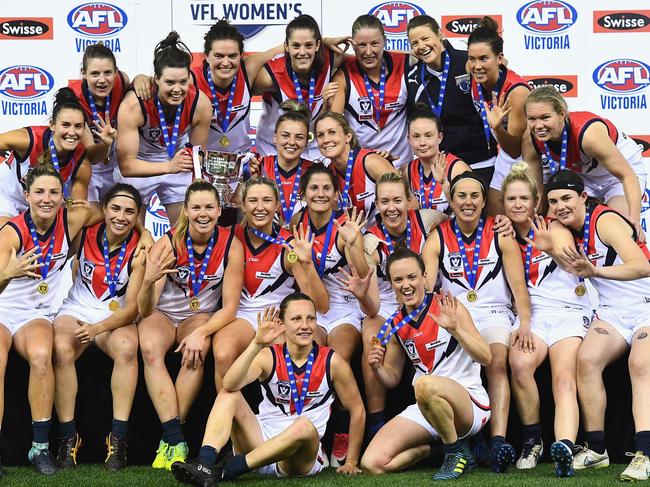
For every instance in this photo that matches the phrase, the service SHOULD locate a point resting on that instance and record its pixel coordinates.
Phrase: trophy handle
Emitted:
(197, 156)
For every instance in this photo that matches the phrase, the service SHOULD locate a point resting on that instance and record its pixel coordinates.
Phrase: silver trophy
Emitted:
(222, 169)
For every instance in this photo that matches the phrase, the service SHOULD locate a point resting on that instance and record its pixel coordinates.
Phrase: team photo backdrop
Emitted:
(597, 57)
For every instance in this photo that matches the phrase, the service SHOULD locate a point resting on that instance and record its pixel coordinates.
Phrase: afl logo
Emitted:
(97, 19)
(395, 16)
(622, 76)
(156, 208)
(25, 82)
(547, 17)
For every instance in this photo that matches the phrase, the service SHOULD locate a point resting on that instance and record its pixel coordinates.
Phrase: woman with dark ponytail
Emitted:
(63, 144)
(153, 133)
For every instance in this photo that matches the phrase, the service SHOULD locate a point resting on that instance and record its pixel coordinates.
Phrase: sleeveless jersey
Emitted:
(280, 71)
(548, 285)
(239, 124)
(440, 202)
(287, 178)
(579, 162)
(463, 126)
(391, 132)
(277, 406)
(334, 257)
(491, 285)
(90, 287)
(508, 80)
(266, 281)
(22, 291)
(152, 143)
(617, 294)
(434, 351)
(362, 185)
(177, 292)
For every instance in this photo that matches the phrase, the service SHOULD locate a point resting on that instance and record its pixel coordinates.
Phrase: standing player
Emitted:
(616, 264)
(153, 133)
(372, 91)
(560, 315)
(499, 95)
(437, 334)
(299, 381)
(609, 162)
(101, 308)
(183, 301)
(483, 268)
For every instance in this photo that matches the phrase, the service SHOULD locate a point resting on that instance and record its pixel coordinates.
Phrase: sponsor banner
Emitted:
(395, 17)
(23, 89)
(95, 22)
(567, 85)
(546, 23)
(617, 21)
(27, 28)
(622, 83)
(463, 25)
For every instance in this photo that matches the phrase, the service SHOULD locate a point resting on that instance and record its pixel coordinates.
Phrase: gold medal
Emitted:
(310, 137)
(581, 290)
(113, 305)
(195, 304)
(68, 203)
(292, 257)
(472, 296)
(43, 288)
(224, 141)
(376, 340)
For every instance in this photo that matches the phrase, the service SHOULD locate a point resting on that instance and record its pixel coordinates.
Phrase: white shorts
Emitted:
(483, 164)
(340, 314)
(480, 406)
(12, 199)
(250, 315)
(100, 182)
(19, 317)
(626, 322)
(502, 166)
(170, 187)
(89, 314)
(269, 431)
(387, 308)
(552, 325)
(605, 188)
(494, 324)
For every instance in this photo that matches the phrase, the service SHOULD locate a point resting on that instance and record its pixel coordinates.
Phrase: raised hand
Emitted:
(542, 240)
(447, 316)
(353, 283)
(104, 130)
(576, 262)
(498, 112)
(301, 244)
(337, 44)
(350, 230)
(329, 92)
(269, 326)
(439, 168)
(25, 265)
(158, 264)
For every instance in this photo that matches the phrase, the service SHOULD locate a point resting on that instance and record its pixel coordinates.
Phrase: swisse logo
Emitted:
(622, 21)
(463, 25)
(26, 28)
(395, 16)
(97, 19)
(566, 85)
(623, 80)
(25, 82)
(644, 143)
(547, 17)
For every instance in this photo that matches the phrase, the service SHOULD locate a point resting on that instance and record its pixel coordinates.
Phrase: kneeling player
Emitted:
(439, 337)
(298, 381)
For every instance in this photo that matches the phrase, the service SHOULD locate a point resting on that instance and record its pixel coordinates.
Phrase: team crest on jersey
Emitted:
(463, 83)
(87, 270)
(154, 133)
(365, 109)
(284, 390)
(586, 322)
(412, 351)
(455, 265)
(183, 274)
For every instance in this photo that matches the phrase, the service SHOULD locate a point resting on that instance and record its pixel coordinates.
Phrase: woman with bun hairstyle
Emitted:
(499, 95)
(302, 73)
(440, 80)
(560, 316)
(153, 133)
(616, 263)
(609, 162)
(356, 168)
(428, 175)
(62, 143)
(372, 91)
(191, 289)
(483, 269)
(100, 92)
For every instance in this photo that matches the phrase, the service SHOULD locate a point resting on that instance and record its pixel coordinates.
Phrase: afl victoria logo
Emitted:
(25, 82)
(622, 76)
(395, 16)
(97, 19)
(547, 17)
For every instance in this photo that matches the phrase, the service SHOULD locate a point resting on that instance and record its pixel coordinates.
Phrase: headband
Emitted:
(577, 186)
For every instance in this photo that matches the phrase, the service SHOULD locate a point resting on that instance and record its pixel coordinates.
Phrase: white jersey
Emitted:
(277, 406)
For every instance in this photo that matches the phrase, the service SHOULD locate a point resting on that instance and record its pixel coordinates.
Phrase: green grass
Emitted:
(94, 475)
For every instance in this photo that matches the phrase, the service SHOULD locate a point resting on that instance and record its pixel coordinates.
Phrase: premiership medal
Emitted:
(223, 118)
(377, 107)
(471, 273)
(286, 207)
(55, 163)
(472, 296)
(292, 257)
(299, 400)
(195, 304)
(310, 137)
(170, 142)
(68, 202)
(581, 290)
(224, 141)
(376, 340)
(195, 282)
(112, 278)
(113, 305)
(553, 165)
(43, 288)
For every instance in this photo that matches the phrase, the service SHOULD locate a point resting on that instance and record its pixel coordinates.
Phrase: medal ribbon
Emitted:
(552, 164)
(529, 254)
(371, 95)
(470, 272)
(196, 282)
(93, 107)
(312, 89)
(50, 248)
(287, 209)
(385, 334)
(169, 143)
(345, 200)
(299, 401)
(225, 121)
(269, 238)
(423, 190)
(320, 265)
(443, 84)
(486, 125)
(585, 239)
(111, 278)
(389, 241)
(55, 163)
